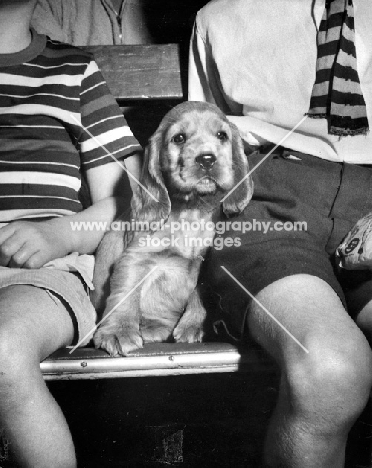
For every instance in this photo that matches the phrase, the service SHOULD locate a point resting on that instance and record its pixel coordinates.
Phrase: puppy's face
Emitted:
(197, 154)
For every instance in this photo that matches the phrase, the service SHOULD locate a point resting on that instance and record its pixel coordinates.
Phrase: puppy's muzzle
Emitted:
(206, 160)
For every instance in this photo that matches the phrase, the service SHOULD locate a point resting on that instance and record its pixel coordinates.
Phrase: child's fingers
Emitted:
(6, 232)
(36, 260)
(19, 246)
(10, 247)
(29, 245)
(23, 255)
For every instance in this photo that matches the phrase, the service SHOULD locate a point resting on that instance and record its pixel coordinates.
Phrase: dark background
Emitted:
(171, 20)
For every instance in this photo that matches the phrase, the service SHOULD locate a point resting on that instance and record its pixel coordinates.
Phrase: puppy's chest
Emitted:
(191, 233)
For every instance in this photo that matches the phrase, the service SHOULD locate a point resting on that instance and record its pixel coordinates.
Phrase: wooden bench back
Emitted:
(141, 72)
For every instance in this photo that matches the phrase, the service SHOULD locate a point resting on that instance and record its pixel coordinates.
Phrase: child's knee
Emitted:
(18, 373)
(331, 384)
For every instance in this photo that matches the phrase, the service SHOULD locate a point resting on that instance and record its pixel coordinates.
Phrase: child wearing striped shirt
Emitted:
(58, 123)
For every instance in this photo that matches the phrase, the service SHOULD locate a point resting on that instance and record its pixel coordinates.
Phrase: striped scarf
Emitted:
(337, 95)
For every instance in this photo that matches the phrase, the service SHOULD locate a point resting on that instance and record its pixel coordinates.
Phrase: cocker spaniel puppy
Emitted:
(194, 159)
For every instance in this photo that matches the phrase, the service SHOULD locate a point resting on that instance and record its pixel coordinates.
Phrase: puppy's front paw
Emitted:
(117, 342)
(188, 333)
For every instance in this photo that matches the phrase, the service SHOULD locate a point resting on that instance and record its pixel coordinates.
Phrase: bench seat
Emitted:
(158, 359)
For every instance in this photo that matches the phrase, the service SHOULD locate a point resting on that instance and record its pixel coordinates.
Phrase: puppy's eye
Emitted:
(179, 138)
(221, 135)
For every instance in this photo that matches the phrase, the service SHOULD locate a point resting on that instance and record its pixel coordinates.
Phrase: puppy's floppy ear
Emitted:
(152, 204)
(240, 197)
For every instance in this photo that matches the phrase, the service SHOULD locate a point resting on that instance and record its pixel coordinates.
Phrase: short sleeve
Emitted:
(106, 135)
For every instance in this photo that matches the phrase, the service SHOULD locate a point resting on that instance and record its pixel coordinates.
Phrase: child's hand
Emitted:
(28, 244)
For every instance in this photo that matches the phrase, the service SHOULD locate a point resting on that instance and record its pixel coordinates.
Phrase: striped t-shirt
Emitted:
(57, 120)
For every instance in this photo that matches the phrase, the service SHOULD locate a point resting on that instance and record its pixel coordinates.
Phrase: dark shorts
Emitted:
(328, 198)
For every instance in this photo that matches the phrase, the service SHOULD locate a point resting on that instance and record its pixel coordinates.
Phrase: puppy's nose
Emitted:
(206, 161)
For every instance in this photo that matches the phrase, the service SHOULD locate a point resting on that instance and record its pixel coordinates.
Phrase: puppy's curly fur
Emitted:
(192, 161)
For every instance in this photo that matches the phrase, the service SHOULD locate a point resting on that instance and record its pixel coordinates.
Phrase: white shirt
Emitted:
(256, 59)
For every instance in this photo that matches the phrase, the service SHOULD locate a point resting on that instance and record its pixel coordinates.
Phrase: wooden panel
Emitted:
(141, 72)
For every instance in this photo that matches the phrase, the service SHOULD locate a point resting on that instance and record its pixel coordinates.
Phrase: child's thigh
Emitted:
(33, 322)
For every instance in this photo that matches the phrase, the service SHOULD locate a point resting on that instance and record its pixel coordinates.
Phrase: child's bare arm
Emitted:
(30, 244)
(133, 165)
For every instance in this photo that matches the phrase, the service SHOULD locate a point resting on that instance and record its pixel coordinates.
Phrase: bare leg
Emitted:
(322, 392)
(32, 326)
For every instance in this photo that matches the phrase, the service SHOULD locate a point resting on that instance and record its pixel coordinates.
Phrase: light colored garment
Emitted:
(91, 22)
(257, 61)
(75, 263)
